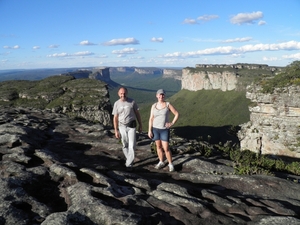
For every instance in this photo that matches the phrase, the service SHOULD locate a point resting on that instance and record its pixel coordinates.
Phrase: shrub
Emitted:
(289, 76)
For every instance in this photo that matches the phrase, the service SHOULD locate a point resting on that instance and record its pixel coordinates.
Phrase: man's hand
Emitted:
(117, 134)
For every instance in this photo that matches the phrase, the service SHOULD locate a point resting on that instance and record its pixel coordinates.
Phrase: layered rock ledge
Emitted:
(274, 123)
(56, 171)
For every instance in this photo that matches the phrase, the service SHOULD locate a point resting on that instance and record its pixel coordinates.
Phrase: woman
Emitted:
(159, 128)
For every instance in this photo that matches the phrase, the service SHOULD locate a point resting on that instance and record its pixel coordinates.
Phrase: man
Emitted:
(126, 113)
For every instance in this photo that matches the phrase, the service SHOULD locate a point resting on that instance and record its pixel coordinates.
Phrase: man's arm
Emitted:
(116, 125)
(138, 117)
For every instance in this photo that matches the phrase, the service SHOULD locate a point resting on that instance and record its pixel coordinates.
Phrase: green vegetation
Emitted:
(289, 76)
(51, 92)
(143, 90)
(244, 162)
(211, 108)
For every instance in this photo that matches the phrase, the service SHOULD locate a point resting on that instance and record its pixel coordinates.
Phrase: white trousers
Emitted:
(128, 137)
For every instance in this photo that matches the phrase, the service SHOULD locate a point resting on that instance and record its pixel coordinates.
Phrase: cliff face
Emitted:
(274, 122)
(101, 74)
(208, 80)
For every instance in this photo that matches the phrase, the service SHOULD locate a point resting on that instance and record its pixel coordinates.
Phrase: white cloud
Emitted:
(86, 42)
(244, 39)
(262, 22)
(270, 59)
(122, 41)
(103, 56)
(293, 56)
(190, 21)
(248, 18)
(125, 51)
(202, 18)
(154, 39)
(36, 47)
(9, 47)
(85, 53)
(53, 46)
(64, 54)
(290, 45)
(207, 17)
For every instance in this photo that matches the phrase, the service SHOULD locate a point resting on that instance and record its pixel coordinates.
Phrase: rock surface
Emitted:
(56, 171)
(274, 123)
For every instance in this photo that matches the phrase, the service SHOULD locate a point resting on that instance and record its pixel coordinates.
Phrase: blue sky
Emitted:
(157, 33)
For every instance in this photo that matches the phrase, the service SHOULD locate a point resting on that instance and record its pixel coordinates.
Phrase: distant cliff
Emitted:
(100, 73)
(138, 70)
(172, 73)
(222, 76)
(166, 73)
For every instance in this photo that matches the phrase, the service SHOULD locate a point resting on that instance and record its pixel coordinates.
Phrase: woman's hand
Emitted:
(168, 125)
(150, 135)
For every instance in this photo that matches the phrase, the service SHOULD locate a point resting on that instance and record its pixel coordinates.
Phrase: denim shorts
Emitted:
(161, 134)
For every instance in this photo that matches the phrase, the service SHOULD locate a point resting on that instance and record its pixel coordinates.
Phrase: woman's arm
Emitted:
(175, 113)
(150, 124)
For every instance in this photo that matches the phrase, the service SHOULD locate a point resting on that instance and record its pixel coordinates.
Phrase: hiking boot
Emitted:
(160, 165)
(171, 168)
(129, 168)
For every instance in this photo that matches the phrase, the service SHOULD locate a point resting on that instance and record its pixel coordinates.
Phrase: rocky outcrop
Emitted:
(101, 74)
(57, 171)
(274, 123)
(82, 98)
(194, 80)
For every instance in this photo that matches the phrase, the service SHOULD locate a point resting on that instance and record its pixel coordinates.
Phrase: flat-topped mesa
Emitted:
(221, 76)
(238, 66)
(98, 73)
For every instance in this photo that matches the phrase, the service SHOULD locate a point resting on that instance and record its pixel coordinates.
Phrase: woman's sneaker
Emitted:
(171, 168)
(159, 165)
